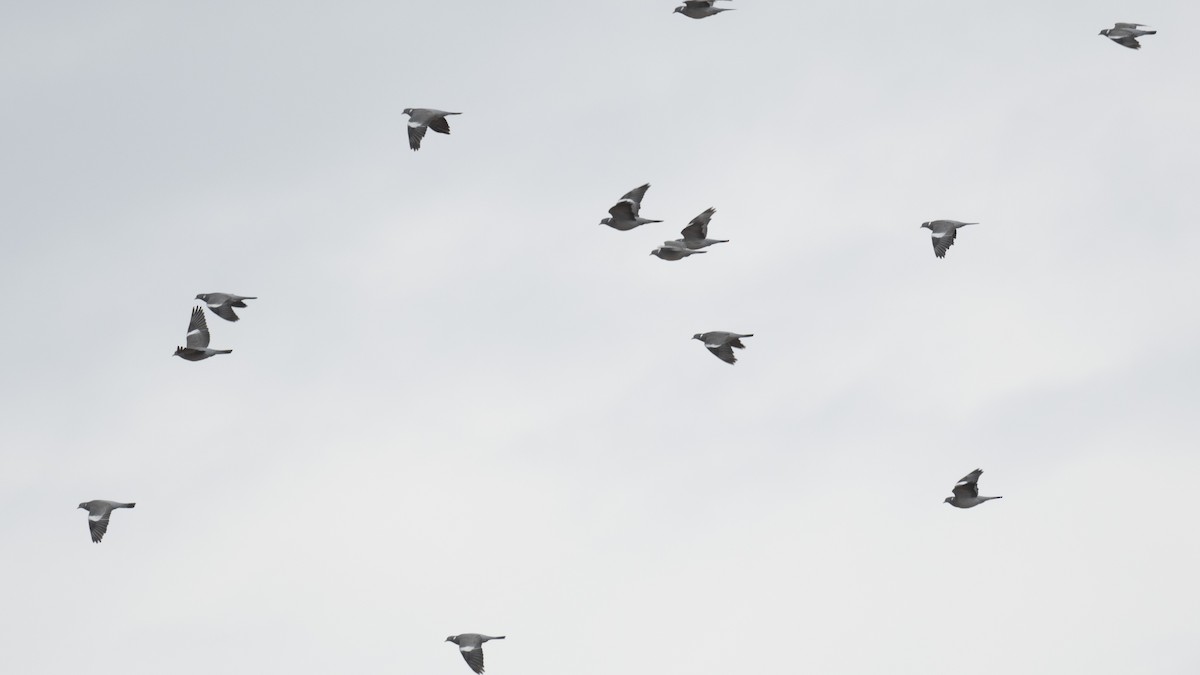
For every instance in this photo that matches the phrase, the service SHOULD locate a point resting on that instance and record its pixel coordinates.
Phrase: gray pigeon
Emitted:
(695, 235)
(966, 493)
(1126, 34)
(699, 9)
(471, 647)
(222, 304)
(98, 512)
(626, 213)
(197, 339)
(721, 343)
(420, 119)
(943, 234)
(674, 250)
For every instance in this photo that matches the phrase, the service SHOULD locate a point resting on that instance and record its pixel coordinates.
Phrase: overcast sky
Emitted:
(462, 405)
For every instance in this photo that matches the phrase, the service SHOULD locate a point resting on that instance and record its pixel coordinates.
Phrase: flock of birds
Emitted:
(625, 215)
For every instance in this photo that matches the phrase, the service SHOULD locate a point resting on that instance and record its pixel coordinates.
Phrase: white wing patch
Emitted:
(939, 235)
(193, 332)
(95, 518)
(415, 124)
(468, 648)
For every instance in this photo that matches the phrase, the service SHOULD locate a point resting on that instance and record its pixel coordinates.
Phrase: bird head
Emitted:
(678, 9)
(178, 351)
(698, 336)
(203, 297)
(948, 500)
(407, 111)
(1104, 32)
(926, 224)
(452, 638)
(605, 221)
(83, 505)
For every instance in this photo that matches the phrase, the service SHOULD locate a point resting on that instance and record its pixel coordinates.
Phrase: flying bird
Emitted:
(673, 250)
(197, 339)
(222, 304)
(966, 492)
(98, 512)
(471, 647)
(943, 232)
(626, 213)
(420, 119)
(699, 9)
(722, 343)
(695, 235)
(1126, 34)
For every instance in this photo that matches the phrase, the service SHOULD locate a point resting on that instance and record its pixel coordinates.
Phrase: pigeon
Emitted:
(674, 250)
(695, 235)
(943, 234)
(222, 304)
(98, 512)
(471, 646)
(197, 339)
(966, 492)
(1126, 34)
(699, 9)
(626, 212)
(721, 343)
(421, 118)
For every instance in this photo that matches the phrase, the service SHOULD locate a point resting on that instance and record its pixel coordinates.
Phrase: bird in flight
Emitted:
(222, 304)
(1126, 34)
(471, 647)
(944, 232)
(695, 235)
(674, 250)
(197, 339)
(722, 343)
(700, 9)
(626, 213)
(420, 119)
(98, 512)
(966, 492)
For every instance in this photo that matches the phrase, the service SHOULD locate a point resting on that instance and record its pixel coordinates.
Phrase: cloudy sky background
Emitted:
(461, 405)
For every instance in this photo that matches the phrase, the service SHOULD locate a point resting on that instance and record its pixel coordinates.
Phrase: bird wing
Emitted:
(197, 336)
(698, 4)
(224, 311)
(473, 655)
(1128, 25)
(98, 524)
(624, 210)
(698, 227)
(636, 194)
(416, 132)
(968, 486)
(723, 352)
(439, 124)
(737, 342)
(1127, 41)
(942, 241)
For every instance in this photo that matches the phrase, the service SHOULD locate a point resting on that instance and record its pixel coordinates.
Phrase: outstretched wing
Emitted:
(197, 336)
(1128, 41)
(225, 312)
(1129, 25)
(723, 352)
(698, 228)
(624, 210)
(415, 133)
(635, 195)
(942, 241)
(98, 525)
(473, 655)
(440, 125)
(968, 486)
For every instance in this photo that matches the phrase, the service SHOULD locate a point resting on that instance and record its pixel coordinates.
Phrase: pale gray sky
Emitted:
(460, 404)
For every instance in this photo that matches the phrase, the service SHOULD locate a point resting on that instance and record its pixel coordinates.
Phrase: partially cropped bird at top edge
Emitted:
(626, 213)
(674, 250)
(1126, 34)
(695, 235)
(944, 232)
(420, 119)
(966, 492)
(722, 343)
(197, 339)
(222, 304)
(700, 9)
(99, 511)
(470, 645)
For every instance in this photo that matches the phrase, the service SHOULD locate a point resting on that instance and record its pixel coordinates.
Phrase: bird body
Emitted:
(1126, 34)
(420, 119)
(722, 343)
(700, 9)
(674, 250)
(99, 511)
(470, 645)
(966, 492)
(197, 340)
(626, 213)
(944, 232)
(222, 304)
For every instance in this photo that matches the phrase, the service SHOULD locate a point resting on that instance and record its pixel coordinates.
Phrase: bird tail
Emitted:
(1151, 32)
(130, 505)
(223, 351)
(645, 221)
